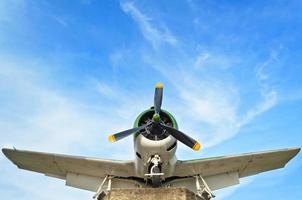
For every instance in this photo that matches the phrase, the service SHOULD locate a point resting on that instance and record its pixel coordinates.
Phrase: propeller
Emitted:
(158, 97)
(183, 138)
(123, 134)
(156, 123)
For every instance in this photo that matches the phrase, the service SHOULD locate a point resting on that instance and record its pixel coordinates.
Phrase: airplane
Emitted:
(156, 137)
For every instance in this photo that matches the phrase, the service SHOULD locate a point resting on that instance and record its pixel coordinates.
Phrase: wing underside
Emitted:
(88, 173)
(81, 172)
(225, 171)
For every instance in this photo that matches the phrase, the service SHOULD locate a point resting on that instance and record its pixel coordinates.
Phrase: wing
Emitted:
(80, 172)
(229, 169)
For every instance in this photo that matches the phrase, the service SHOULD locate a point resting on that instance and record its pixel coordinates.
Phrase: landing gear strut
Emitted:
(155, 172)
(155, 178)
(203, 190)
(103, 191)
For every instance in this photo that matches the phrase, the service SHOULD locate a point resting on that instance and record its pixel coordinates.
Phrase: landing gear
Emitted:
(101, 196)
(103, 191)
(203, 190)
(155, 178)
(155, 171)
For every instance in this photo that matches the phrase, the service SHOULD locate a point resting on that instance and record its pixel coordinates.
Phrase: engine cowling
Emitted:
(155, 133)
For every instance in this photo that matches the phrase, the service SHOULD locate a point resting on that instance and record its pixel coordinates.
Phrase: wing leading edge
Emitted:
(59, 166)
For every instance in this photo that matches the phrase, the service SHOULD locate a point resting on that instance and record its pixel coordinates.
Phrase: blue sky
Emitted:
(71, 72)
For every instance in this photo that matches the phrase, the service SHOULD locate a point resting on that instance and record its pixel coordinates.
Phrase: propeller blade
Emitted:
(158, 97)
(123, 134)
(183, 138)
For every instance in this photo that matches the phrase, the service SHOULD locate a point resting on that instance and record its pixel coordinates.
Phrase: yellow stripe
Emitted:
(111, 138)
(159, 85)
(196, 146)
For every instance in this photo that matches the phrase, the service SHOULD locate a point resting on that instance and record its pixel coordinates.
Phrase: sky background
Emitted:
(72, 72)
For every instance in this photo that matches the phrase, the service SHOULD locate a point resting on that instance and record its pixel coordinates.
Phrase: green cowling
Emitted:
(174, 123)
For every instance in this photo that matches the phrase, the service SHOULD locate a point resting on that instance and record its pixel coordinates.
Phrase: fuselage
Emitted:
(146, 147)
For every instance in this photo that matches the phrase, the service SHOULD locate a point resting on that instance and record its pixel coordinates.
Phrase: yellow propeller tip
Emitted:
(111, 138)
(159, 85)
(196, 146)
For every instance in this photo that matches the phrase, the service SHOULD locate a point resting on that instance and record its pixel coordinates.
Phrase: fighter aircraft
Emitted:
(155, 136)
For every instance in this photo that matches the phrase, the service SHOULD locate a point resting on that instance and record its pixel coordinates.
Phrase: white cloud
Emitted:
(53, 121)
(210, 106)
(261, 70)
(37, 115)
(214, 60)
(151, 33)
(59, 20)
(270, 96)
(105, 90)
(269, 101)
(200, 60)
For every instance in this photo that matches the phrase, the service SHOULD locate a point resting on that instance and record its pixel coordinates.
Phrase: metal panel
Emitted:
(92, 183)
(214, 182)
(222, 180)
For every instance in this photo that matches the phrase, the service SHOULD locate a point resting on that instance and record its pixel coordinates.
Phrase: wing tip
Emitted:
(295, 150)
(7, 152)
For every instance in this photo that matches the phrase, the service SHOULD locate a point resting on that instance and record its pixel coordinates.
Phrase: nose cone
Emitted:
(156, 117)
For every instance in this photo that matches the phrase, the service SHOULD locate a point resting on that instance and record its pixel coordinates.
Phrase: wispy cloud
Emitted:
(213, 60)
(59, 20)
(54, 119)
(105, 90)
(153, 34)
(211, 104)
(201, 60)
(38, 115)
(268, 93)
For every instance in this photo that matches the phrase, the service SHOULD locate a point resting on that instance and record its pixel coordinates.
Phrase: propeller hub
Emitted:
(156, 117)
